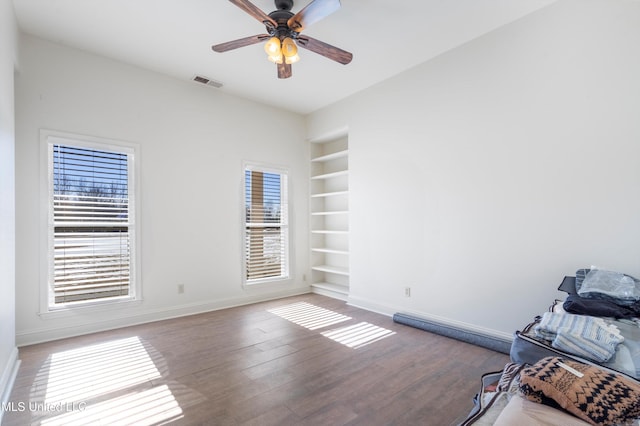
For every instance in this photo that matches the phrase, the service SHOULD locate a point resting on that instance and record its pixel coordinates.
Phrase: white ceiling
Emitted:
(174, 37)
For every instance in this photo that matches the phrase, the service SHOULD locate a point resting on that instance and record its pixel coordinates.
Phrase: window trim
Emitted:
(287, 277)
(48, 138)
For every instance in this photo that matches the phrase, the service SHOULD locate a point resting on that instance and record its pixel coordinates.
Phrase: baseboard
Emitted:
(33, 336)
(8, 378)
(390, 310)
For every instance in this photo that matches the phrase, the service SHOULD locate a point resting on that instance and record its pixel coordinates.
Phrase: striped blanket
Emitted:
(582, 335)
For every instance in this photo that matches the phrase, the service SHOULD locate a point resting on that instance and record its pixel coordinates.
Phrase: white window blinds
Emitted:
(91, 224)
(266, 225)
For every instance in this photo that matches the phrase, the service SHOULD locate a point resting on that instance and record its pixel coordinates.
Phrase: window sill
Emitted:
(88, 307)
(265, 282)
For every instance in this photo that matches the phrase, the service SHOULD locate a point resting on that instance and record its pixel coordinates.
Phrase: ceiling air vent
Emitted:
(204, 80)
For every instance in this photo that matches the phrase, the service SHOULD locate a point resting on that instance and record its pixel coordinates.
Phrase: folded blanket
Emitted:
(594, 395)
(583, 335)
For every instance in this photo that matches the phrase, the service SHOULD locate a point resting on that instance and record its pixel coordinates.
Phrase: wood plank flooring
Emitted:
(304, 360)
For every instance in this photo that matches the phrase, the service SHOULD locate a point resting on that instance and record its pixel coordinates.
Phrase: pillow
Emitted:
(590, 393)
(522, 412)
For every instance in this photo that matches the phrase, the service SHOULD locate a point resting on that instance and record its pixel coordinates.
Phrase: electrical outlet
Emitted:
(180, 288)
(407, 292)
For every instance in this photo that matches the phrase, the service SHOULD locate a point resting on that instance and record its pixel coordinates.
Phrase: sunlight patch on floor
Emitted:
(308, 315)
(314, 317)
(95, 370)
(358, 335)
(118, 382)
(147, 407)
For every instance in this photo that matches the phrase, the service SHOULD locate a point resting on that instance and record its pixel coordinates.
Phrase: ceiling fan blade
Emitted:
(324, 49)
(254, 11)
(284, 70)
(311, 13)
(242, 42)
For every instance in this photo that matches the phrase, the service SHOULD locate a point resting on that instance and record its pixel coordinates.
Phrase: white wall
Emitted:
(193, 140)
(8, 57)
(482, 177)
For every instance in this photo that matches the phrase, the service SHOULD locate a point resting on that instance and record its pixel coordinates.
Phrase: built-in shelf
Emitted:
(328, 250)
(329, 213)
(331, 175)
(338, 291)
(332, 269)
(329, 217)
(329, 157)
(329, 194)
(328, 231)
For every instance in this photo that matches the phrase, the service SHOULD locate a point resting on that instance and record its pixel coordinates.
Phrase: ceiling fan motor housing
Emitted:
(284, 4)
(281, 17)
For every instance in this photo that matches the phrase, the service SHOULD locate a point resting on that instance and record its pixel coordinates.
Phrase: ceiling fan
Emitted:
(284, 33)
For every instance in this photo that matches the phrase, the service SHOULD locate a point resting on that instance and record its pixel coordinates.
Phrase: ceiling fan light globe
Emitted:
(291, 59)
(272, 47)
(276, 59)
(289, 48)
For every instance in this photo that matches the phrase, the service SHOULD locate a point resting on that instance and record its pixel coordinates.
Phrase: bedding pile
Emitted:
(577, 364)
(599, 329)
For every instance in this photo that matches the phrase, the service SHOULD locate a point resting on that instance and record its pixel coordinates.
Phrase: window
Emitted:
(91, 223)
(266, 230)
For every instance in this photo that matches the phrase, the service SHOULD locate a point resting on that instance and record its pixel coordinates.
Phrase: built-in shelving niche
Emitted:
(329, 206)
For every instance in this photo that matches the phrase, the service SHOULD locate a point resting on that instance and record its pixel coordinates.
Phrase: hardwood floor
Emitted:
(304, 360)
